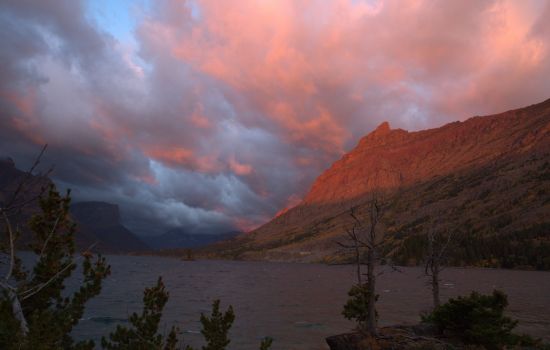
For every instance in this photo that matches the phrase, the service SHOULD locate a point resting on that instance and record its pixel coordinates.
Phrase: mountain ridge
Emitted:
(101, 220)
(445, 167)
(422, 142)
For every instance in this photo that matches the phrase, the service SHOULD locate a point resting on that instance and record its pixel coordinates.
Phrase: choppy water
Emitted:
(296, 304)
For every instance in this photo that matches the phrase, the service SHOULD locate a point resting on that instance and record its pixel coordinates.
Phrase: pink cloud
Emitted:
(253, 99)
(171, 156)
(239, 168)
(288, 52)
(200, 121)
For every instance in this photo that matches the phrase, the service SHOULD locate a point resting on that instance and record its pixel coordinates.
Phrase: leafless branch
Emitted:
(17, 310)
(49, 237)
(28, 174)
(15, 207)
(345, 246)
(30, 292)
(12, 248)
(6, 285)
(444, 247)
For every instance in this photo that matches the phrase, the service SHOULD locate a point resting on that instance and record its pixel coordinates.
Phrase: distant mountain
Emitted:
(97, 222)
(101, 221)
(10, 180)
(487, 176)
(179, 238)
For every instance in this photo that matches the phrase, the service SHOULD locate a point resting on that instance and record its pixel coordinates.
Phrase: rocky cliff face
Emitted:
(101, 222)
(488, 174)
(389, 158)
(96, 214)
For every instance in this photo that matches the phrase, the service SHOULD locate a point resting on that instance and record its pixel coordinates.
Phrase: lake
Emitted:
(296, 304)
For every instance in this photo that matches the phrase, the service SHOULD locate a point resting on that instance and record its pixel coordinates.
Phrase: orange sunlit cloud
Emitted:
(204, 105)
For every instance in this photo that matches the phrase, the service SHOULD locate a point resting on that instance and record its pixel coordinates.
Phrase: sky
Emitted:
(215, 115)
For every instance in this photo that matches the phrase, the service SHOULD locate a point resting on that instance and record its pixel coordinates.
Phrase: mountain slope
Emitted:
(101, 221)
(489, 176)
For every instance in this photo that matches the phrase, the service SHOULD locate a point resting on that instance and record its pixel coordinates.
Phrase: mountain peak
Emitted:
(382, 135)
(383, 128)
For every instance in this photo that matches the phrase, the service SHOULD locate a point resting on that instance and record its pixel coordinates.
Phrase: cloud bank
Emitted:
(218, 114)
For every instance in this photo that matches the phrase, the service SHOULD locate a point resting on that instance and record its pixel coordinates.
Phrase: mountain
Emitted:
(179, 238)
(11, 180)
(487, 178)
(97, 222)
(101, 221)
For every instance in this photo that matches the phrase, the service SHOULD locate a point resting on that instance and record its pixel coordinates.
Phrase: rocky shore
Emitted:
(397, 337)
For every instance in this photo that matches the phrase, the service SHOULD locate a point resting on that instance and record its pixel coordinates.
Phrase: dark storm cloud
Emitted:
(225, 112)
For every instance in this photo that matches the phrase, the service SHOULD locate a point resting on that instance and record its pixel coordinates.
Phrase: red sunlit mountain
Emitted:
(488, 175)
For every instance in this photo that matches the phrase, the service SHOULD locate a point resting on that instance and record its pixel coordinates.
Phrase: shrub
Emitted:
(478, 319)
(357, 304)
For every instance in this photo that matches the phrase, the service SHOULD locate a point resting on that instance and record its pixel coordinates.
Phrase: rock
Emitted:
(425, 329)
(346, 341)
(397, 337)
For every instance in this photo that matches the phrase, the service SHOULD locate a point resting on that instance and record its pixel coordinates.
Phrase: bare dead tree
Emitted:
(437, 247)
(355, 247)
(373, 240)
(365, 238)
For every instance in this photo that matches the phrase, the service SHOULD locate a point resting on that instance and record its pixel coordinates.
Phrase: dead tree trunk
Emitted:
(371, 239)
(358, 262)
(371, 285)
(435, 286)
(355, 246)
(435, 260)
(17, 310)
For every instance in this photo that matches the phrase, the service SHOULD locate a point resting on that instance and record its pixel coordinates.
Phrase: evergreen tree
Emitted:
(35, 313)
(266, 343)
(216, 327)
(143, 334)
